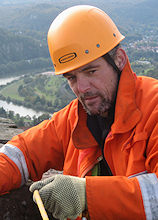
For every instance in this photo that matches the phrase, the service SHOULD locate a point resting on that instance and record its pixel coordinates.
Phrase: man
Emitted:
(105, 141)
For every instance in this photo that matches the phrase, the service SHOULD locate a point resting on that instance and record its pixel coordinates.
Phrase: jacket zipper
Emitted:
(102, 157)
(91, 166)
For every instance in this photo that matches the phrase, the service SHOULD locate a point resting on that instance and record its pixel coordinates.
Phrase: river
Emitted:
(21, 110)
(4, 81)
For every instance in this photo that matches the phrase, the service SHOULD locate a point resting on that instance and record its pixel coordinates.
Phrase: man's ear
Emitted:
(120, 58)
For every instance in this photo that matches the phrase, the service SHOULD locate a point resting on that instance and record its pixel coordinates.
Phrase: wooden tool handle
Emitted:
(40, 205)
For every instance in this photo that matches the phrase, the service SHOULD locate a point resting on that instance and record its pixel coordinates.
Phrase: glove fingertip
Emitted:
(31, 188)
(39, 184)
(34, 186)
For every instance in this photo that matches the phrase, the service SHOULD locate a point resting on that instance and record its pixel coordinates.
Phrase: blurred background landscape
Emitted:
(29, 92)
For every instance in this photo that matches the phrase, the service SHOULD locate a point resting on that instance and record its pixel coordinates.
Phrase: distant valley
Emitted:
(24, 25)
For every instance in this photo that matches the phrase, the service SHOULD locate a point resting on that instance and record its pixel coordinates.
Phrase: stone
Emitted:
(8, 129)
(19, 205)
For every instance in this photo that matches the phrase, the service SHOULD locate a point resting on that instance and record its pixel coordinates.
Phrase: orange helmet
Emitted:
(79, 35)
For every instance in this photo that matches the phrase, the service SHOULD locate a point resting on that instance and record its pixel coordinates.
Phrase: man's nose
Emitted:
(83, 84)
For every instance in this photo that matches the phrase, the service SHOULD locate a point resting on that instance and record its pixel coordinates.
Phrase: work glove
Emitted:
(63, 196)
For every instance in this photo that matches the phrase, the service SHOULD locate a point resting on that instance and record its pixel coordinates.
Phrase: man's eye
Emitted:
(70, 78)
(91, 71)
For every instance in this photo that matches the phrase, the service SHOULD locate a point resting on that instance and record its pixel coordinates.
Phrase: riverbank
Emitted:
(4, 81)
(22, 116)
(34, 95)
(11, 100)
(21, 110)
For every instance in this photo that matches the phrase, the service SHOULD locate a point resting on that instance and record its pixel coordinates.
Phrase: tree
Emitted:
(11, 114)
(3, 112)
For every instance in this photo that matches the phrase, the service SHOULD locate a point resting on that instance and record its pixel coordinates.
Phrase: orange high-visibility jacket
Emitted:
(65, 143)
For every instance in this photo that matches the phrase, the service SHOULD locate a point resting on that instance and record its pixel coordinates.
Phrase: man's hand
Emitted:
(63, 196)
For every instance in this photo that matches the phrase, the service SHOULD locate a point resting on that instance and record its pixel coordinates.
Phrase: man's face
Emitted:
(95, 85)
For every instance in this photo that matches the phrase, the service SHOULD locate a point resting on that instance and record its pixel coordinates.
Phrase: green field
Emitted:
(12, 91)
(39, 92)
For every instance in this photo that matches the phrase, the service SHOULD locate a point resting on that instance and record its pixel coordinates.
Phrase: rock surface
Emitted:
(7, 130)
(18, 204)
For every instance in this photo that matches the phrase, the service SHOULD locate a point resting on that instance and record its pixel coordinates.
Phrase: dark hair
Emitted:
(112, 52)
(110, 57)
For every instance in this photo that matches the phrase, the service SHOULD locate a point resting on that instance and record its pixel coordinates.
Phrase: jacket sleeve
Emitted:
(29, 155)
(121, 198)
(114, 198)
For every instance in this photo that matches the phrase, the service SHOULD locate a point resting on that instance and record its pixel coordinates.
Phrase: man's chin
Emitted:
(95, 111)
(91, 111)
(88, 111)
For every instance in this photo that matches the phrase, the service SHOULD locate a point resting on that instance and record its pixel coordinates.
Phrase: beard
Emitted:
(103, 107)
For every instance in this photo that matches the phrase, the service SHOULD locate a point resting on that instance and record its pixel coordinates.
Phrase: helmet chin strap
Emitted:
(110, 60)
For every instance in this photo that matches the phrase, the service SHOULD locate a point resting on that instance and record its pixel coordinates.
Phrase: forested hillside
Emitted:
(20, 54)
(23, 37)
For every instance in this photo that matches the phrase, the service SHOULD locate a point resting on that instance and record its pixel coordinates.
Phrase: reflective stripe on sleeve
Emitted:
(16, 155)
(149, 188)
(137, 174)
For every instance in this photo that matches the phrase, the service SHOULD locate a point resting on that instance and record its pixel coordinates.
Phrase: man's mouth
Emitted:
(88, 100)
(90, 97)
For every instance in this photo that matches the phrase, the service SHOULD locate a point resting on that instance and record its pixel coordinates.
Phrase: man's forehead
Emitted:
(84, 68)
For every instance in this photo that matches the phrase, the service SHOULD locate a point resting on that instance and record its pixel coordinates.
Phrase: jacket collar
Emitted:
(127, 114)
(82, 137)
